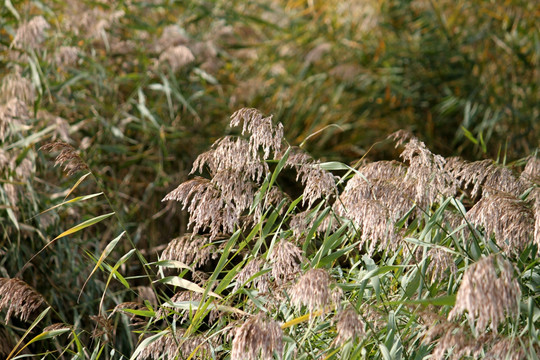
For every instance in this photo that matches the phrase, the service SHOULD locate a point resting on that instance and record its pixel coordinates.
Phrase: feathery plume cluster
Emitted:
(90, 23)
(486, 178)
(505, 216)
(231, 153)
(171, 36)
(441, 263)
(263, 133)
(177, 57)
(304, 221)
(243, 277)
(193, 250)
(454, 341)
(13, 114)
(349, 326)
(318, 183)
(19, 298)
(312, 290)
(31, 34)
(258, 338)
(68, 157)
(373, 220)
(176, 346)
(285, 259)
(531, 173)
(66, 56)
(535, 196)
(207, 208)
(488, 292)
(16, 86)
(426, 173)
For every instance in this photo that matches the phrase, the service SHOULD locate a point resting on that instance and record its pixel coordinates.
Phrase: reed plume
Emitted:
(312, 290)
(258, 338)
(19, 298)
(489, 292)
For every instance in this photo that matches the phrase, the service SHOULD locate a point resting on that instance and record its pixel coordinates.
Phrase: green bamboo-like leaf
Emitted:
(104, 255)
(74, 200)
(28, 331)
(178, 281)
(83, 225)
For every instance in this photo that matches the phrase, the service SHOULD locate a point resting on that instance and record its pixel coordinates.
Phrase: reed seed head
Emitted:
(206, 207)
(31, 34)
(177, 57)
(285, 259)
(172, 346)
(349, 326)
(243, 277)
(66, 56)
(488, 292)
(258, 338)
(263, 134)
(441, 264)
(18, 87)
(312, 290)
(505, 216)
(68, 157)
(19, 298)
(13, 115)
(318, 183)
(190, 249)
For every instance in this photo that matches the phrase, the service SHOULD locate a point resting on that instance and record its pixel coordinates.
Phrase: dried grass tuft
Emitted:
(489, 292)
(312, 290)
(258, 338)
(349, 326)
(172, 346)
(285, 259)
(193, 250)
(68, 157)
(31, 34)
(19, 298)
(505, 216)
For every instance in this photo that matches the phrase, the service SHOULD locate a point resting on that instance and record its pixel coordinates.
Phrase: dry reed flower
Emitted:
(16, 86)
(531, 173)
(207, 208)
(391, 192)
(349, 326)
(312, 290)
(441, 264)
(452, 339)
(68, 157)
(177, 57)
(19, 298)
(66, 56)
(427, 174)
(507, 349)
(190, 249)
(258, 335)
(231, 153)
(535, 197)
(176, 346)
(172, 36)
(505, 216)
(486, 178)
(243, 277)
(488, 292)
(31, 34)
(263, 133)
(318, 183)
(373, 220)
(285, 259)
(13, 115)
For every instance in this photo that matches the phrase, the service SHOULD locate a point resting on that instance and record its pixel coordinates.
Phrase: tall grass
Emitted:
(262, 247)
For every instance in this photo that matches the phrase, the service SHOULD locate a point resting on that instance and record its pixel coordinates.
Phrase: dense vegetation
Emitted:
(262, 180)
